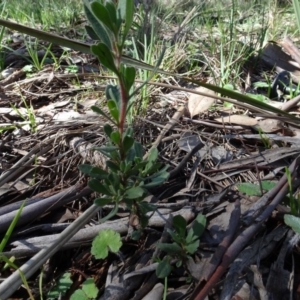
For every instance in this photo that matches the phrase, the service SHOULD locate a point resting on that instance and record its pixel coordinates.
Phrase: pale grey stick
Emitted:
(14, 281)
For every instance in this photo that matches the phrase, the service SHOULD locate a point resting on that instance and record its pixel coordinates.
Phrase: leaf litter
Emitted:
(39, 163)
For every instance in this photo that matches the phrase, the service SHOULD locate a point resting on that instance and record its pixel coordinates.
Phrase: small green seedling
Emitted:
(62, 286)
(185, 243)
(251, 189)
(106, 240)
(88, 291)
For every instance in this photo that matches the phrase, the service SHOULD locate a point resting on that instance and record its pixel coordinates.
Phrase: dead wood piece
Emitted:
(274, 137)
(156, 292)
(218, 255)
(241, 241)
(37, 207)
(258, 282)
(15, 76)
(279, 284)
(274, 56)
(251, 214)
(227, 239)
(288, 45)
(25, 247)
(262, 247)
(264, 158)
(151, 280)
(14, 281)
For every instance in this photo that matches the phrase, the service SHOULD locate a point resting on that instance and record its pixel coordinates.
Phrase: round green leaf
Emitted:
(106, 240)
(79, 295)
(90, 289)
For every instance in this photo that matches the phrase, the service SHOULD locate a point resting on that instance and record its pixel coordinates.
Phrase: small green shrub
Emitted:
(185, 243)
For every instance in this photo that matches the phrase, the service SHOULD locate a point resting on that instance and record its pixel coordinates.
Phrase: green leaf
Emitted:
(106, 240)
(144, 220)
(103, 15)
(98, 187)
(79, 295)
(98, 27)
(107, 129)
(138, 150)
(179, 263)
(267, 185)
(90, 289)
(170, 248)
(124, 165)
(125, 12)
(192, 247)
(175, 237)
(134, 192)
(293, 222)
(261, 84)
(113, 109)
(198, 226)
(114, 180)
(115, 137)
(179, 224)
(109, 151)
(136, 235)
(85, 169)
(99, 111)
(129, 76)
(114, 167)
(127, 143)
(98, 173)
(91, 32)
(153, 154)
(228, 86)
(103, 201)
(112, 92)
(112, 12)
(147, 207)
(128, 132)
(62, 286)
(158, 180)
(105, 56)
(249, 189)
(164, 269)
(190, 237)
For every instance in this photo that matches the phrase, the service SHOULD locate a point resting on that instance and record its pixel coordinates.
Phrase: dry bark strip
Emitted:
(243, 239)
(36, 207)
(289, 46)
(262, 247)
(30, 246)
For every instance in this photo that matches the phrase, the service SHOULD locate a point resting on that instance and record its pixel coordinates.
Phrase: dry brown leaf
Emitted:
(198, 104)
(270, 125)
(238, 119)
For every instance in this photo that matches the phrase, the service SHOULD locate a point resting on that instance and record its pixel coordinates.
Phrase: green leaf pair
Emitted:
(183, 244)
